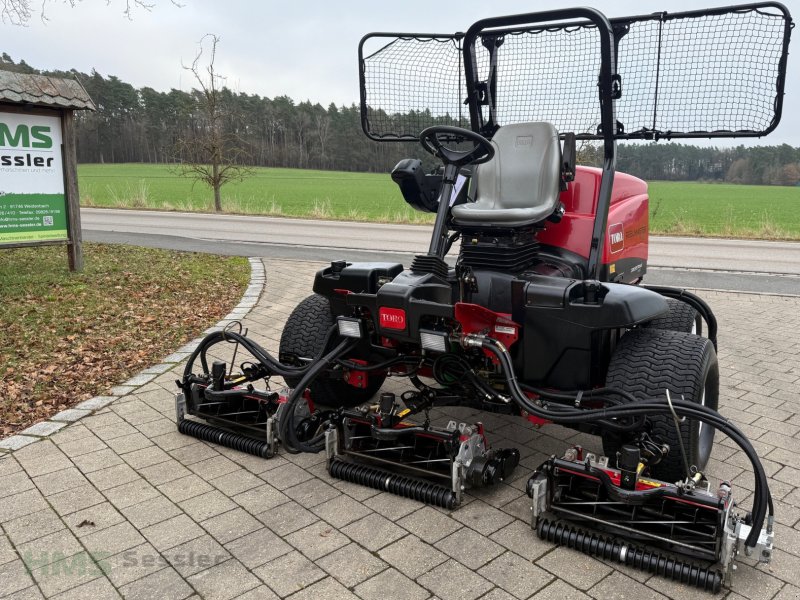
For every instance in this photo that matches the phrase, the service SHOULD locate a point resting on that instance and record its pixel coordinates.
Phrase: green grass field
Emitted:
(280, 192)
(679, 208)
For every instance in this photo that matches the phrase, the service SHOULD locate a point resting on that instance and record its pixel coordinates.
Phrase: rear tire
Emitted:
(303, 336)
(681, 317)
(645, 363)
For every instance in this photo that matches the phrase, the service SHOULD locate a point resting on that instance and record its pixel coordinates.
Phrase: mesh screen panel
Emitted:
(412, 83)
(681, 76)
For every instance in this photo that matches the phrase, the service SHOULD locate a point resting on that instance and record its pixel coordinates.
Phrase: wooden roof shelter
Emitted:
(42, 90)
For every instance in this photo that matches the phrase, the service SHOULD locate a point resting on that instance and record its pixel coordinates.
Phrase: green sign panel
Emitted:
(32, 202)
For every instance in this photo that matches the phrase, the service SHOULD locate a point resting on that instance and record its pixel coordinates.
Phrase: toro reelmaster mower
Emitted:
(541, 312)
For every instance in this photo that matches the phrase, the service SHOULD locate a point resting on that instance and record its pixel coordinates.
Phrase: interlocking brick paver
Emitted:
(374, 532)
(96, 459)
(286, 476)
(128, 443)
(516, 575)
(481, 517)
(156, 427)
(213, 467)
(98, 589)
(66, 573)
(224, 581)
(231, 525)
(33, 526)
(351, 565)
(312, 493)
(517, 537)
(104, 479)
(184, 488)
(236, 482)
(172, 532)
(317, 540)
(470, 548)
(454, 581)
(23, 503)
(207, 505)
(42, 458)
(16, 483)
(165, 583)
(429, 524)
(257, 548)
(341, 510)
(151, 511)
(196, 555)
(558, 590)
(133, 564)
(289, 573)
(619, 587)
(390, 584)
(286, 518)
(50, 548)
(77, 498)
(412, 556)
(389, 505)
(14, 577)
(576, 569)
(164, 472)
(131, 493)
(192, 453)
(113, 540)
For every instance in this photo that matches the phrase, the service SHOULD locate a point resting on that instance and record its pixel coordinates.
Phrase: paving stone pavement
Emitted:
(119, 504)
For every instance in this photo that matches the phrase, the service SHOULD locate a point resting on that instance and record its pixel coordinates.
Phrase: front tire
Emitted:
(303, 335)
(645, 363)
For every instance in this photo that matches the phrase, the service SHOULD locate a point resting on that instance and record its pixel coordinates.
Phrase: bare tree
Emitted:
(209, 154)
(20, 12)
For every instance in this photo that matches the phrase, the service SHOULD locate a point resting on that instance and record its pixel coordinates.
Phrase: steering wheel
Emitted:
(431, 140)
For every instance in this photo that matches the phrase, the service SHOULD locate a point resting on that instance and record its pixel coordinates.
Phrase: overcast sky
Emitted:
(301, 48)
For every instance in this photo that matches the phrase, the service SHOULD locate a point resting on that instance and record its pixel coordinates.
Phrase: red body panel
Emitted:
(627, 231)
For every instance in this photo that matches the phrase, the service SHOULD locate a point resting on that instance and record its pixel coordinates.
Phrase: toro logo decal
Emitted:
(392, 318)
(616, 238)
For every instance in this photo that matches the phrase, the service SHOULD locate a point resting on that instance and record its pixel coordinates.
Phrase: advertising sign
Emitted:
(32, 201)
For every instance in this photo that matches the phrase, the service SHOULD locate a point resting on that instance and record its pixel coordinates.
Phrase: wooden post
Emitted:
(70, 158)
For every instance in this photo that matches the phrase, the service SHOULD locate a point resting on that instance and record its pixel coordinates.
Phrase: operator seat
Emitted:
(520, 186)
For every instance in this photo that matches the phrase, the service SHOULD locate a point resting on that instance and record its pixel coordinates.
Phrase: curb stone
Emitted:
(74, 414)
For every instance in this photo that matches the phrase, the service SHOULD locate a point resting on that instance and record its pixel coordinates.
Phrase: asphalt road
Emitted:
(755, 266)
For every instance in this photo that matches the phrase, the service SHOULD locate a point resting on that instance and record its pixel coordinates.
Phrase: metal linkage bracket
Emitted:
(180, 407)
(331, 443)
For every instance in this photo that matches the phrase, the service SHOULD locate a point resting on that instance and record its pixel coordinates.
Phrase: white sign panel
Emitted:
(32, 201)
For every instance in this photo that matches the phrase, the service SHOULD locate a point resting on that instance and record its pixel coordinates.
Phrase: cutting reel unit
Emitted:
(375, 447)
(579, 494)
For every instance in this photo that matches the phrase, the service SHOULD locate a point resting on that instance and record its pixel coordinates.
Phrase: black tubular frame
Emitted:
(606, 97)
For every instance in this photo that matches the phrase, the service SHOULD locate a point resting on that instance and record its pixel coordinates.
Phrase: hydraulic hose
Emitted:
(762, 499)
(286, 426)
(268, 361)
(308, 374)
